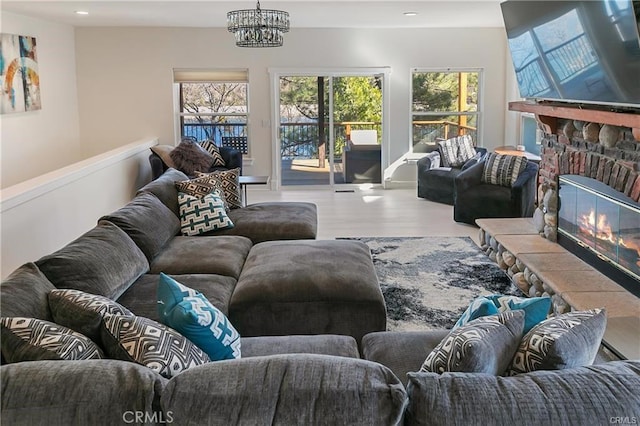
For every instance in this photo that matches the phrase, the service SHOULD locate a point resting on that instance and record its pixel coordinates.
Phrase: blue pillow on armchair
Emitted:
(535, 308)
(192, 315)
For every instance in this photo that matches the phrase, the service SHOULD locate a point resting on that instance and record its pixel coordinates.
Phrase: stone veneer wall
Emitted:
(606, 153)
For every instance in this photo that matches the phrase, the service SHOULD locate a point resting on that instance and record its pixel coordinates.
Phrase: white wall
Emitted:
(45, 213)
(125, 75)
(37, 142)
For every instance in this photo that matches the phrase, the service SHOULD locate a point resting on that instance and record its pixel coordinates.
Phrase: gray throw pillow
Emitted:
(31, 339)
(83, 312)
(565, 341)
(148, 222)
(484, 345)
(147, 342)
(189, 157)
(103, 261)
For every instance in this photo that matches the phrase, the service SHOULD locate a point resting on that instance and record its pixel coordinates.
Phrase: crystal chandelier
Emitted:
(258, 27)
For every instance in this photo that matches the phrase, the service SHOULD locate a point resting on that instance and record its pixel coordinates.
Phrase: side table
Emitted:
(251, 180)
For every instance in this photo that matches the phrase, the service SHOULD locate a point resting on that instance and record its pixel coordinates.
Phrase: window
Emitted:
(444, 104)
(213, 105)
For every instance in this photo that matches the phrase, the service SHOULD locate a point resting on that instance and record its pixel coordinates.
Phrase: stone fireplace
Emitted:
(600, 150)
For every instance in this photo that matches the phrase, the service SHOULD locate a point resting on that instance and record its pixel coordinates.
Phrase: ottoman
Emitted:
(308, 287)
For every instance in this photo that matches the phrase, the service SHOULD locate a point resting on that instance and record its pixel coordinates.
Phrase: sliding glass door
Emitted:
(330, 128)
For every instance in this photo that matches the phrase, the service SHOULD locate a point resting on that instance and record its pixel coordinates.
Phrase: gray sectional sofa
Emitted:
(314, 349)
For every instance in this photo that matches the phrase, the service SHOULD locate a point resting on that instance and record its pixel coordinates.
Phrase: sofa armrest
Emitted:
(428, 162)
(469, 178)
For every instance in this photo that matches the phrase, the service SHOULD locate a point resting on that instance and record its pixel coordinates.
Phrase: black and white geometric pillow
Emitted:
(201, 215)
(213, 149)
(565, 341)
(151, 344)
(31, 339)
(82, 311)
(202, 186)
(484, 345)
(230, 182)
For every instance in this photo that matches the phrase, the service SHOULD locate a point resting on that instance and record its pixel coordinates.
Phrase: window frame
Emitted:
(209, 76)
(478, 113)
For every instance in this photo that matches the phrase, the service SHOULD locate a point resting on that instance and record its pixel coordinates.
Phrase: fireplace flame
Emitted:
(601, 229)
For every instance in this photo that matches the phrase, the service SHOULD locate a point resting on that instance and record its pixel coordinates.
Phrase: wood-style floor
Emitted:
(372, 212)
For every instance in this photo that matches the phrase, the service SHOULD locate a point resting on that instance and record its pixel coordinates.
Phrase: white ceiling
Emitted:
(303, 13)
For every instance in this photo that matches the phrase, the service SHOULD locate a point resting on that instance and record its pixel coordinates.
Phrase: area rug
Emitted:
(428, 282)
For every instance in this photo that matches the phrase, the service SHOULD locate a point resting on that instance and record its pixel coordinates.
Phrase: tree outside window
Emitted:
(444, 104)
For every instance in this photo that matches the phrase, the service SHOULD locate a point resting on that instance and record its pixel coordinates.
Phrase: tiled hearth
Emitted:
(601, 145)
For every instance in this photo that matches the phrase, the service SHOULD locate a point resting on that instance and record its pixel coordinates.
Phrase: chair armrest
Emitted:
(428, 162)
(469, 178)
(232, 157)
(524, 188)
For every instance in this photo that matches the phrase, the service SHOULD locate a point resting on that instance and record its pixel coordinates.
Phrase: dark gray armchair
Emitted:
(474, 199)
(436, 183)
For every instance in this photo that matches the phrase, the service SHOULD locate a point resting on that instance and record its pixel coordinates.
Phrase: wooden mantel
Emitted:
(547, 115)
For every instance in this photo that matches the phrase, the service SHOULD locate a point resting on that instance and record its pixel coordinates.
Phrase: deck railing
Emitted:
(301, 140)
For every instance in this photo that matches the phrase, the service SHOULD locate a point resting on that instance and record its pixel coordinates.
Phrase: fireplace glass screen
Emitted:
(602, 220)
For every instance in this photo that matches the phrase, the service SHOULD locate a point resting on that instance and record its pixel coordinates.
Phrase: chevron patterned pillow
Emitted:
(200, 215)
(149, 343)
(565, 341)
(189, 312)
(31, 339)
(213, 149)
(484, 345)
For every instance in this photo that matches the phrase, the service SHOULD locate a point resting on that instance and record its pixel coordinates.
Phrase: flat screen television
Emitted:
(576, 51)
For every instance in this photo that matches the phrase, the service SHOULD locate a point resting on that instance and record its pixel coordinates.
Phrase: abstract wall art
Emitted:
(19, 74)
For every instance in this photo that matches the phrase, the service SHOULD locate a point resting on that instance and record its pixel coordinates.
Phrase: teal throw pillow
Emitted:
(192, 315)
(480, 307)
(535, 308)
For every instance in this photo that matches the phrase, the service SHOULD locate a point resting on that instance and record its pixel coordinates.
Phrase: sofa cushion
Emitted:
(24, 293)
(201, 215)
(91, 392)
(164, 151)
(565, 341)
(148, 222)
(580, 396)
(535, 309)
(274, 221)
(222, 255)
(484, 345)
(287, 389)
(192, 315)
(142, 297)
(503, 169)
(230, 183)
(83, 312)
(164, 188)
(149, 343)
(321, 344)
(213, 149)
(31, 339)
(103, 261)
(190, 158)
(456, 151)
(401, 351)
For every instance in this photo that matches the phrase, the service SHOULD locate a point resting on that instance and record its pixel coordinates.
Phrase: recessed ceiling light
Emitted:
(410, 13)
(81, 12)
